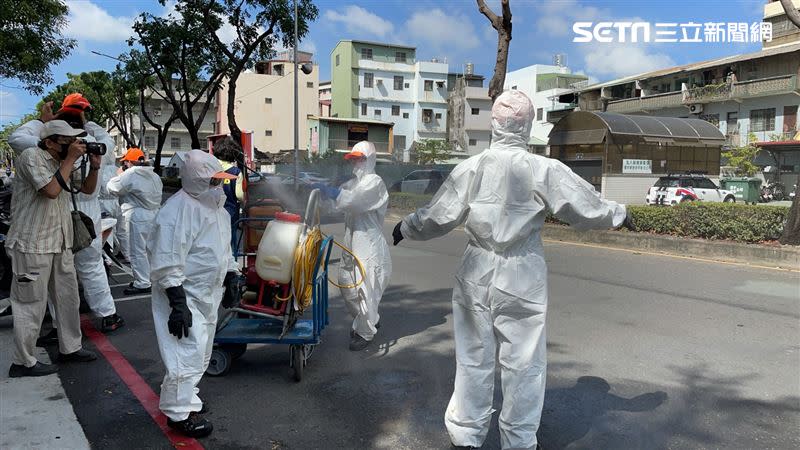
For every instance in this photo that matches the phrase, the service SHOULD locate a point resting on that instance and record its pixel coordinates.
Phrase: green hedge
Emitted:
(737, 222)
(729, 221)
(408, 202)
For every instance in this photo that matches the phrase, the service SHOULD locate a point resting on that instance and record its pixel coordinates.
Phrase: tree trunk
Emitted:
(500, 66)
(791, 12)
(236, 132)
(791, 231)
(502, 24)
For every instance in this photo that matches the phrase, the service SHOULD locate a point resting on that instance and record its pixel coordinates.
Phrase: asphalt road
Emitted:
(645, 351)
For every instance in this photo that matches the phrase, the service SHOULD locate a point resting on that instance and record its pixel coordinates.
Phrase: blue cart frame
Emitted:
(233, 336)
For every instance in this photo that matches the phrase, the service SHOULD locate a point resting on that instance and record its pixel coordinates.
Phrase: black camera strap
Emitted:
(61, 182)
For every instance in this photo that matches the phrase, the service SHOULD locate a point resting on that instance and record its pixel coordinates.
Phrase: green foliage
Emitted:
(741, 158)
(31, 41)
(6, 153)
(432, 151)
(408, 202)
(737, 222)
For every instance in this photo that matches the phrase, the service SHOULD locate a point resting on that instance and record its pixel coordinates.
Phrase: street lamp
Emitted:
(306, 68)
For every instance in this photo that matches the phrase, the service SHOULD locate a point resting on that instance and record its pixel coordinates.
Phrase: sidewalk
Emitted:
(35, 413)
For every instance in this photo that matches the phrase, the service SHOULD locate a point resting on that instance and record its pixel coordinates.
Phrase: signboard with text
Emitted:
(637, 166)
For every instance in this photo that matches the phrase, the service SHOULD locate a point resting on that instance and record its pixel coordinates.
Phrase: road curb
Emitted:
(782, 256)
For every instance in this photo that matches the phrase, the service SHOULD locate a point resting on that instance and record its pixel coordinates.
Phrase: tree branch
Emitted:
(486, 11)
(791, 12)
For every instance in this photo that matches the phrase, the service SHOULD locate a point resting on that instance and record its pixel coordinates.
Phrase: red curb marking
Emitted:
(136, 384)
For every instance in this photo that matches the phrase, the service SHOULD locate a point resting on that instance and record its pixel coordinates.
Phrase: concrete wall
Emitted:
(344, 84)
(254, 113)
(631, 189)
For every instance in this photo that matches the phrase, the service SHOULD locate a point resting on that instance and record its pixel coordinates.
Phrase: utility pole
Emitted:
(296, 107)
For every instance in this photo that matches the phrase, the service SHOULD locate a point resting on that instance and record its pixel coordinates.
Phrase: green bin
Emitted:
(745, 189)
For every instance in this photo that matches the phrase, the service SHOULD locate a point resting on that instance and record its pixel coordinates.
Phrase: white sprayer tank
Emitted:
(275, 256)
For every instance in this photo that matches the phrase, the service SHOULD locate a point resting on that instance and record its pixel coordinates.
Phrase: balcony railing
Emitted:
(766, 86)
(651, 102)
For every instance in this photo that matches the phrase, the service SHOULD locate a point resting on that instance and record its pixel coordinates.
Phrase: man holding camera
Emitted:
(40, 241)
(89, 262)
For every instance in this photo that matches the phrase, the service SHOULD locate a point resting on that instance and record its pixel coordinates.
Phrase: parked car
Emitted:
(674, 189)
(312, 177)
(420, 182)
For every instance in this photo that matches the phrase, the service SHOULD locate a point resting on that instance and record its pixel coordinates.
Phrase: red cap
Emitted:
(133, 154)
(76, 103)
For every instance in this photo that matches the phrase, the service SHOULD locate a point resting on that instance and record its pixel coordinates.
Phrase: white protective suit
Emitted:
(500, 296)
(139, 189)
(88, 262)
(109, 205)
(364, 200)
(190, 246)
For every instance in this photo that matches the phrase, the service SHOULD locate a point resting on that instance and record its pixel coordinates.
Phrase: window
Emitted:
(268, 100)
(368, 80)
(539, 113)
(438, 115)
(363, 109)
(427, 115)
(267, 132)
(732, 121)
(395, 110)
(762, 120)
(473, 142)
(405, 115)
(398, 83)
(514, 88)
(377, 113)
(399, 142)
(278, 69)
(428, 85)
(400, 57)
(705, 183)
(475, 111)
(407, 85)
(175, 142)
(366, 53)
(149, 141)
(310, 84)
(337, 60)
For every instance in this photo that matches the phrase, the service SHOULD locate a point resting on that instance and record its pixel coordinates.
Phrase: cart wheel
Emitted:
(220, 362)
(298, 361)
(236, 350)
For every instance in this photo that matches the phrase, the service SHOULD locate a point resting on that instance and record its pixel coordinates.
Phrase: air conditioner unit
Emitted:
(696, 109)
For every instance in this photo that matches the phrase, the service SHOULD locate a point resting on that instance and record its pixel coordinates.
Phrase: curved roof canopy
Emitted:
(587, 127)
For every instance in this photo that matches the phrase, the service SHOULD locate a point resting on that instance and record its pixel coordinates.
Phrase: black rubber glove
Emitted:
(233, 285)
(397, 234)
(628, 222)
(180, 319)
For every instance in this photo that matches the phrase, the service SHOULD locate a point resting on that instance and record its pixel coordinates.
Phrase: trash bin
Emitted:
(745, 189)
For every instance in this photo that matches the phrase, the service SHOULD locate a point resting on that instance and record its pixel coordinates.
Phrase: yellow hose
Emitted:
(305, 258)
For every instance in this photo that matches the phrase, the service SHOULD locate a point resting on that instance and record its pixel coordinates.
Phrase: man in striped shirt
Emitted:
(40, 246)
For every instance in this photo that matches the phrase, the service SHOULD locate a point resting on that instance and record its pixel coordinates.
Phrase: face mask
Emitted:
(213, 198)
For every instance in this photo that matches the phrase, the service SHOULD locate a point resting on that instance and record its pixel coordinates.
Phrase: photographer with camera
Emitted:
(89, 262)
(40, 242)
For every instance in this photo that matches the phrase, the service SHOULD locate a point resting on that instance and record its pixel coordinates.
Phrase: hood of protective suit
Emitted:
(367, 166)
(198, 169)
(512, 118)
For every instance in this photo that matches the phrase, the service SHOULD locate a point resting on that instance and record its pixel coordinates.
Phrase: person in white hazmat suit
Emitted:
(191, 262)
(110, 207)
(140, 190)
(500, 296)
(363, 200)
(89, 263)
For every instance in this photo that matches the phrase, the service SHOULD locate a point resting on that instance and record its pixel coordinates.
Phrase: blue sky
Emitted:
(452, 29)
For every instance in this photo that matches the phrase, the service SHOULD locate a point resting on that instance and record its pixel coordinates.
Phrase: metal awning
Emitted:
(585, 127)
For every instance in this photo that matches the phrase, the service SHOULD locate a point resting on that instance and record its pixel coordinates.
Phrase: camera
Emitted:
(95, 148)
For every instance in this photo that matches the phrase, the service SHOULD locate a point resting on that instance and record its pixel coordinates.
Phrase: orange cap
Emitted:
(75, 102)
(225, 176)
(133, 154)
(355, 154)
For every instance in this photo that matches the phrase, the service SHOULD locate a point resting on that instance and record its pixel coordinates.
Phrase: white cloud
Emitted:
(441, 31)
(358, 20)
(620, 60)
(227, 33)
(10, 107)
(87, 21)
(557, 16)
